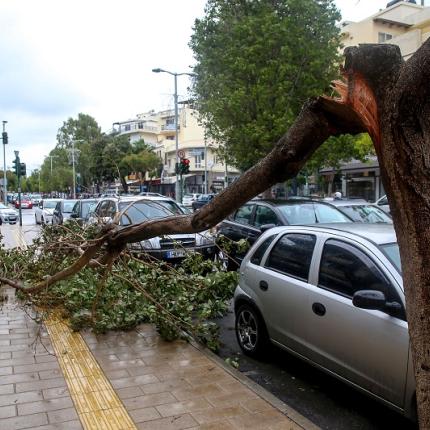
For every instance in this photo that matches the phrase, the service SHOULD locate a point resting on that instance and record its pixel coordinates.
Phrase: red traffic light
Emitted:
(185, 161)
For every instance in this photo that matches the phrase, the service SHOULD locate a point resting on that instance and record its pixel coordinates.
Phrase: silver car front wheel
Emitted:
(251, 331)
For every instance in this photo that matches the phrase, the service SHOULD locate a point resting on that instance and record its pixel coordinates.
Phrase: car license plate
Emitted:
(176, 253)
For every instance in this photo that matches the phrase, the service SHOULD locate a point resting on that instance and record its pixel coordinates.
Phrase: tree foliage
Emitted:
(257, 62)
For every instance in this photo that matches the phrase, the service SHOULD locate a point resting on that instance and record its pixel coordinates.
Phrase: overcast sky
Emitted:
(59, 58)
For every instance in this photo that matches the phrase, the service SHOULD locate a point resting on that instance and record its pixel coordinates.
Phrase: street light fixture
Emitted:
(178, 186)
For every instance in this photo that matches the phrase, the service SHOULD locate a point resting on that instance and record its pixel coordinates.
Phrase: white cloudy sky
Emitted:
(59, 58)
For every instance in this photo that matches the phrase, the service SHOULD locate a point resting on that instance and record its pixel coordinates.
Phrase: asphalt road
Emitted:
(322, 399)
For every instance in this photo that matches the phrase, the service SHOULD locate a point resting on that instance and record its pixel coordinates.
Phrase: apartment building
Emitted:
(158, 129)
(403, 23)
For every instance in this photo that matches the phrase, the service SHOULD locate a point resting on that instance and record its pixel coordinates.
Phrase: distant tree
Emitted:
(257, 62)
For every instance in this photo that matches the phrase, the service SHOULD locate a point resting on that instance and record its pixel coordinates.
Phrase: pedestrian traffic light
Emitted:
(185, 166)
(22, 169)
(16, 166)
(4, 137)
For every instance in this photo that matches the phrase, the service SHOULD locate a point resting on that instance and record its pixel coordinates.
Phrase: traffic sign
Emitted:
(181, 153)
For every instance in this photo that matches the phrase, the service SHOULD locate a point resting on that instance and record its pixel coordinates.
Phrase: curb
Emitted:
(288, 411)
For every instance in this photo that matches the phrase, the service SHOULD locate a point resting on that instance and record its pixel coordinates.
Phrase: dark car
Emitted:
(62, 211)
(83, 209)
(202, 200)
(256, 216)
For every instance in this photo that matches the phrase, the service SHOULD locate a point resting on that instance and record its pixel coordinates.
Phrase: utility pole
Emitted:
(17, 163)
(5, 141)
(73, 164)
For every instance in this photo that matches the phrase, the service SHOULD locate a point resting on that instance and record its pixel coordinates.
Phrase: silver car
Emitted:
(332, 295)
(8, 215)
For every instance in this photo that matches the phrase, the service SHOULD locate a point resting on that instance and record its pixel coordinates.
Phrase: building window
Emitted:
(140, 125)
(127, 127)
(383, 37)
(170, 137)
(198, 161)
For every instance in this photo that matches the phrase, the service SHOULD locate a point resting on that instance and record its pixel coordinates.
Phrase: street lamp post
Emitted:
(178, 186)
(4, 165)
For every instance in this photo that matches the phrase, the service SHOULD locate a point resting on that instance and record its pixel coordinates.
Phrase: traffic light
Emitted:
(4, 138)
(184, 166)
(22, 169)
(16, 166)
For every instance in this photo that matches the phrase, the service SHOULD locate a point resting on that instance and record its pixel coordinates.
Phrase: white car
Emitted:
(8, 215)
(188, 199)
(383, 204)
(44, 212)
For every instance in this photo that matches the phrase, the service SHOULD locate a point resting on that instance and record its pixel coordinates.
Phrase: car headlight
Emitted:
(205, 238)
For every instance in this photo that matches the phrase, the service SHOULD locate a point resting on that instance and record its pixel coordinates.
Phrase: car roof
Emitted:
(377, 233)
(276, 202)
(349, 202)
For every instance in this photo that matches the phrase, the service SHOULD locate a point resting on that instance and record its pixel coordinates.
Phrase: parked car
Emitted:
(188, 199)
(83, 209)
(332, 295)
(44, 212)
(8, 215)
(361, 211)
(383, 204)
(256, 216)
(201, 201)
(25, 203)
(133, 210)
(36, 198)
(62, 211)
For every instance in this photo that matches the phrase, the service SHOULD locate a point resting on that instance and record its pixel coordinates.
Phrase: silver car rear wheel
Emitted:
(251, 331)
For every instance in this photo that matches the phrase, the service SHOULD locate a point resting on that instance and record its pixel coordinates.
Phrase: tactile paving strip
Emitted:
(95, 400)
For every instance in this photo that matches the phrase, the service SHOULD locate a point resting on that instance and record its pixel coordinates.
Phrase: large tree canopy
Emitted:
(257, 62)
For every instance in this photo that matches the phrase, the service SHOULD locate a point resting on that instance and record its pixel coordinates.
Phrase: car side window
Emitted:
(101, 211)
(259, 252)
(292, 255)
(345, 269)
(75, 210)
(110, 209)
(265, 215)
(244, 214)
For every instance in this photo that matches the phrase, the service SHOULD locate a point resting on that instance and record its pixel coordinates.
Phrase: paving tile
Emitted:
(217, 425)
(50, 374)
(54, 393)
(126, 393)
(21, 377)
(27, 359)
(217, 414)
(5, 371)
(45, 358)
(148, 400)
(201, 391)
(183, 407)
(6, 389)
(44, 406)
(17, 398)
(35, 367)
(257, 405)
(144, 414)
(5, 355)
(59, 416)
(257, 421)
(40, 385)
(161, 387)
(232, 398)
(69, 425)
(133, 381)
(147, 370)
(172, 423)
(116, 374)
(24, 422)
(7, 412)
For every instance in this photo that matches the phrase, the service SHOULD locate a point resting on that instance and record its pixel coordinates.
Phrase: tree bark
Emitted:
(381, 95)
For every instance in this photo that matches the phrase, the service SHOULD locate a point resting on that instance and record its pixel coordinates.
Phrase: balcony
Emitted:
(169, 128)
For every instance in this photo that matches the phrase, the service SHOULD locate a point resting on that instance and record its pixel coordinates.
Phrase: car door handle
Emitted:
(318, 309)
(264, 286)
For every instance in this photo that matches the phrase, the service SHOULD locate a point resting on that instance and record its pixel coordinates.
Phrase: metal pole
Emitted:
(73, 164)
(206, 165)
(4, 168)
(178, 185)
(51, 156)
(226, 174)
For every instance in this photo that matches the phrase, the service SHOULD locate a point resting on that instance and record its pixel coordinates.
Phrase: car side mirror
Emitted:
(266, 227)
(376, 300)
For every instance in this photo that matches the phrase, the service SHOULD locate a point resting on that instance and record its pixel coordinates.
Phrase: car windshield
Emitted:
(68, 206)
(171, 206)
(141, 211)
(366, 213)
(311, 213)
(49, 204)
(391, 250)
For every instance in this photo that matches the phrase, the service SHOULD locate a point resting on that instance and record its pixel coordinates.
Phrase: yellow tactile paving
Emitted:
(95, 401)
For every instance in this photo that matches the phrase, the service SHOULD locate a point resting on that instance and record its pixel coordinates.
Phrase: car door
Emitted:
(282, 286)
(367, 347)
